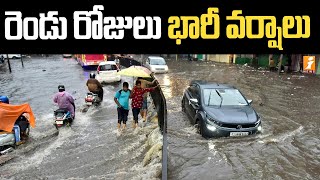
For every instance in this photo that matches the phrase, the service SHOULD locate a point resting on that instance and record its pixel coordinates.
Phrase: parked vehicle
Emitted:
(90, 61)
(67, 55)
(220, 110)
(157, 64)
(107, 72)
(12, 56)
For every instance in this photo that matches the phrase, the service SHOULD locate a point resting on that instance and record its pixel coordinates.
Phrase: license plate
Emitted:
(239, 133)
(59, 122)
(89, 103)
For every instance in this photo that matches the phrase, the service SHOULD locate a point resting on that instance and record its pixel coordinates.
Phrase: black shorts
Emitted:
(135, 113)
(122, 115)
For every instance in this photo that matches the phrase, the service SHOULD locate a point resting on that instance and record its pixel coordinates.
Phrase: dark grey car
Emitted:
(220, 110)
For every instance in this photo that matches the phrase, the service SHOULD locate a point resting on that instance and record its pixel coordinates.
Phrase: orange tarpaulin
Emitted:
(10, 113)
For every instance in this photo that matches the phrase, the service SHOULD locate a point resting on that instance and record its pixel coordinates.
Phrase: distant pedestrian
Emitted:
(272, 65)
(121, 98)
(137, 100)
(301, 65)
(117, 61)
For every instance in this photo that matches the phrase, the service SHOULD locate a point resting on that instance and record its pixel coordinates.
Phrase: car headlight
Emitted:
(213, 121)
(258, 122)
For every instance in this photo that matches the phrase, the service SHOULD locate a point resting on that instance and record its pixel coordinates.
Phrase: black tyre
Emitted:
(198, 126)
(183, 108)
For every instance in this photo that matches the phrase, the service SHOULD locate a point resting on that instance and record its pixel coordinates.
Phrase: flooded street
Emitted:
(288, 148)
(91, 148)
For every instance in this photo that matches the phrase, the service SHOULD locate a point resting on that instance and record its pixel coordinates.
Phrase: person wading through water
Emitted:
(144, 109)
(137, 100)
(121, 98)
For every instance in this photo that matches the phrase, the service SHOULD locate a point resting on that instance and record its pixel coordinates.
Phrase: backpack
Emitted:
(121, 91)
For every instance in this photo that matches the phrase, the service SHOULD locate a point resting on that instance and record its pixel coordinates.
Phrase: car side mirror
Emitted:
(194, 101)
(250, 101)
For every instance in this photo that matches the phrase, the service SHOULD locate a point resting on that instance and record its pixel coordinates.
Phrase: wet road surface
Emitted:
(288, 148)
(91, 148)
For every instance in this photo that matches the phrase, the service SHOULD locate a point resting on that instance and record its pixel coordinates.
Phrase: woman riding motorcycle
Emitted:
(65, 100)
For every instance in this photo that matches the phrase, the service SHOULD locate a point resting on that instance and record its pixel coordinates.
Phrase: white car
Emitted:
(67, 55)
(107, 72)
(157, 64)
(12, 56)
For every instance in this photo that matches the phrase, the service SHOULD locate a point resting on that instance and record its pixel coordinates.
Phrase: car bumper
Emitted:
(109, 79)
(217, 131)
(160, 71)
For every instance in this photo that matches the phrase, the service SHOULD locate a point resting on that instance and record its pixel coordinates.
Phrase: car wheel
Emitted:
(183, 108)
(13, 57)
(198, 126)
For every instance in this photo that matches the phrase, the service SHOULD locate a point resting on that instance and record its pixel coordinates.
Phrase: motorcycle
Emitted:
(9, 140)
(62, 117)
(92, 99)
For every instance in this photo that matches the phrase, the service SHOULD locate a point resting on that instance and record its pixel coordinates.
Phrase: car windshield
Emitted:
(223, 97)
(157, 61)
(108, 67)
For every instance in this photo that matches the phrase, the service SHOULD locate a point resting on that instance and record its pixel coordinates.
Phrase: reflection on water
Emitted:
(166, 85)
(86, 74)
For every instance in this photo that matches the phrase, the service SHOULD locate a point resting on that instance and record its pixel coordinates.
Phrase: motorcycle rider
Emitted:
(95, 86)
(4, 99)
(64, 100)
(22, 121)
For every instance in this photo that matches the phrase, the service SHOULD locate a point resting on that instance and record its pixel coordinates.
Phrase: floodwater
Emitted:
(91, 148)
(288, 148)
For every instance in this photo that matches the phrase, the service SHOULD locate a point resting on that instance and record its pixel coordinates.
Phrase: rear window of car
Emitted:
(108, 67)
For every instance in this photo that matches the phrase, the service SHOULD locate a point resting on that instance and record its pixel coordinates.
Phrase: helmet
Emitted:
(61, 88)
(4, 99)
(92, 75)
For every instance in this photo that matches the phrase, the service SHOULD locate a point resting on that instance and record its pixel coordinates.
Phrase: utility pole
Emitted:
(21, 60)
(9, 63)
(280, 63)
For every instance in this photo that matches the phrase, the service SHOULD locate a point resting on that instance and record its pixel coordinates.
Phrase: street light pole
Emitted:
(9, 63)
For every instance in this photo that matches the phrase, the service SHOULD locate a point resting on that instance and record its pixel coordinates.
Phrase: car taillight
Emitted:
(98, 70)
(88, 99)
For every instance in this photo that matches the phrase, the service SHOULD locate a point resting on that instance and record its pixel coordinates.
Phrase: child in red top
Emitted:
(137, 100)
